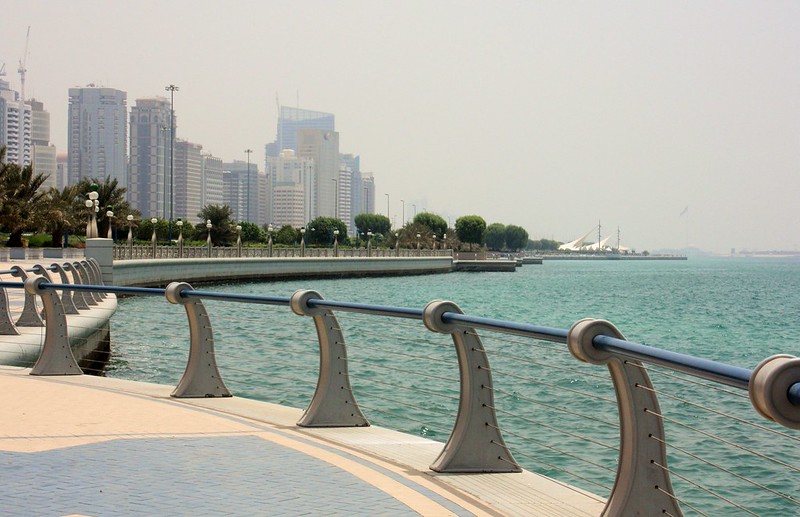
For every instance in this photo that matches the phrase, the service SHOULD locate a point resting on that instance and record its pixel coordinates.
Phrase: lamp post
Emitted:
(110, 216)
(130, 236)
(369, 243)
(269, 244)
(434, 242)
(397, 244)
(94, 206)
(247, 217)
(208, 238)
(153, 221)
(239, 240)
(387, 206)
(335, 243)
(171, 89)
(403, 223)
(179, 223)
(444, 241)
(418, 251)
(302, 242)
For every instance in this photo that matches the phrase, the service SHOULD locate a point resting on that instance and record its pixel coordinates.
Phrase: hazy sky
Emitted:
(550, 115)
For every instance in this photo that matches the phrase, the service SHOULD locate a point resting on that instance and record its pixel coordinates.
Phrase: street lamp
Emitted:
(418, 252)
(179, 223)
(434, 242)
(110, 216)
(302, 242)
(269, 231)
(403, 223)
(171, 89)
(387, 206)
(335, 243)
(94, 206)
(369, 243)
(130, 236)
(153, 221)
(239, 240)
(208, 239)
(444, 239)
(397, 244)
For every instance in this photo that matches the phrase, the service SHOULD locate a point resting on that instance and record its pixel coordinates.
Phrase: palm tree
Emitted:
(60, 211)
(19, 191)
(110, 197)
(221, 224)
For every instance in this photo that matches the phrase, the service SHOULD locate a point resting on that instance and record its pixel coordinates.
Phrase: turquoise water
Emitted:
(558, 416)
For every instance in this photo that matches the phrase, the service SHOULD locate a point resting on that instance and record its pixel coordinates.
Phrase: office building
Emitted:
(97, 134)
(323, 147)
(291, 183)
(44, 153)
(188, 180)
(149, 186)
(213, 185)
(290, 120)
(245, 189)
(15, 126)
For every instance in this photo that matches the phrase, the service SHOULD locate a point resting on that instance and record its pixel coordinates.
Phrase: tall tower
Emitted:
(149, 168)
(15, 126)
(323, 147)
(188, 180)
(98, 135)
(44, 154)
(291, 120)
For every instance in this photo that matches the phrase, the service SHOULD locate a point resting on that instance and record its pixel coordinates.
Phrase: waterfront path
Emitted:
(88, 445)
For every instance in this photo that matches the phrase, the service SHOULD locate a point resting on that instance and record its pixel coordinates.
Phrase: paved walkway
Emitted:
(84, 445)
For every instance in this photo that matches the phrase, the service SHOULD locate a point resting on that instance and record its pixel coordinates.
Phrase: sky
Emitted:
(553, 116)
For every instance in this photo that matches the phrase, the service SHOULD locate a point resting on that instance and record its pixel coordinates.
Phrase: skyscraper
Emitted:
(323, 147)
(291, 120)
(149, 168)
(15, 126)
(213, 185)
(97, 136)
(291, 185)
(44, 154)
(188, 180)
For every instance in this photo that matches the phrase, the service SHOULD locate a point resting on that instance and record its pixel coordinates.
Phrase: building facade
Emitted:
(15, 126)
(213, 185)
(291, 183)
(290, 120)
(323, 147)
(149, 185)
(188, 180)
(44, 153)
(97, 134)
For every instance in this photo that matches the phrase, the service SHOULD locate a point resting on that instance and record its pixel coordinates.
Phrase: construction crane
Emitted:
(23, 60)
(2, 69)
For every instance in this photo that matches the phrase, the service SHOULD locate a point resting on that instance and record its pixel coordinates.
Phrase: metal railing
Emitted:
(124, 252)
(635, 471)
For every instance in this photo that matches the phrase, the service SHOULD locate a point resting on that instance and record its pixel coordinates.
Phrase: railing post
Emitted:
(7, 327)
(30, 316)
(84, 276)
(56, 357)
(96, 275)
(201, 377)
(66, 296)
(333, 404)
(642, 485)
(78, 297)
(475, 445)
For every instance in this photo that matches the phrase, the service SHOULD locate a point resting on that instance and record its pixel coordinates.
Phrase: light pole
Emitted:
(110, 216)
(302, 242)
(269, 244)
(208, 238)
(130, 236)
(444, 241)
(403, 223)
(387, 207)
(179, 223)
(153, 221)
(418, 251)
(434, 242)
(171, 89)
(369, 243)
(239, 240)
(94, 206)
(248, 151)
(397, 244)
(335, 243)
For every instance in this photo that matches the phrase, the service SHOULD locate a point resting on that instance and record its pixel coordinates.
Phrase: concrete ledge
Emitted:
(485, 265)
(163, 271)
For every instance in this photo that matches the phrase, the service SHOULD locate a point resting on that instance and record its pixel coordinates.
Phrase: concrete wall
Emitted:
(163, 271)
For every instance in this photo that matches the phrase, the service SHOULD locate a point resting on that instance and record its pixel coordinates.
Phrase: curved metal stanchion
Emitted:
(475, 445)
(90, 297)
(333, 404)
(30, 316)
(7, 327)
(56, 357)
(96, 276)
(66, 295)
(79, 298)
(642, 485)
(201, 377)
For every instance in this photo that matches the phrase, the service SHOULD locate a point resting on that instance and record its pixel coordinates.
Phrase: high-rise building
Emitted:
(291, 120)
(98, 134)
(188, 180)
(62, 174)
(245, 190)
(15, 126)
(368, 185)
(291, 181)
(323, 147)
(150, 154)
(353, 164)
(213, 185)
(44, 153)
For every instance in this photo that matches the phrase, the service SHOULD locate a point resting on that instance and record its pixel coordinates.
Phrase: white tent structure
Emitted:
(577, 244)
(598, 246)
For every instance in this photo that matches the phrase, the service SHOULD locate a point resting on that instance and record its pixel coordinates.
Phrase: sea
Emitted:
(558, 416)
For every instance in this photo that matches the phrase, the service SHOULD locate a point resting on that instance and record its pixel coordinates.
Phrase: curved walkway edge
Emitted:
(94, 446)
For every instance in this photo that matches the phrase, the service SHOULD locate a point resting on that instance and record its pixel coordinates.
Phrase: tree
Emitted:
(21, 197)
(287, 235)
(251, 232)
(436, 223)
(319, 232)
(495, 236)
(470, 229)
(544, 245)
(59, 212)
(222, 227)
(110, 196)
(375, 223)
(516, 237)
(144, 230)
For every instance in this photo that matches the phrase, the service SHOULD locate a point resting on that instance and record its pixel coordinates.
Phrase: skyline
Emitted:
(557, 114)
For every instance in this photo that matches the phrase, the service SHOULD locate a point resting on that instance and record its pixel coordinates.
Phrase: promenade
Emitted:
(84, 445)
